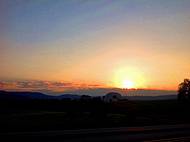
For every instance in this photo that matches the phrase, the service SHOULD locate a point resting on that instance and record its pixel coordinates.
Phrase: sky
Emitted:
(62, 45)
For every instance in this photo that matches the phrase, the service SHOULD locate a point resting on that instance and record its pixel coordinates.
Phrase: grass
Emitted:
(77, 115)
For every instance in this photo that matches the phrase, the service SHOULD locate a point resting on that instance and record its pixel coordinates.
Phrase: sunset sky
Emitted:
(66, 44)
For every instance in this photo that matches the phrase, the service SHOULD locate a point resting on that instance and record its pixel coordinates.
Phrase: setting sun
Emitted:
(129, 78)
(127, 84)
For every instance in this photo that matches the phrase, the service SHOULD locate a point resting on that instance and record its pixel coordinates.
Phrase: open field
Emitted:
(38, 115)
(164, 133)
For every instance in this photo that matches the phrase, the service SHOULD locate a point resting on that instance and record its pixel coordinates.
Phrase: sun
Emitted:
(128, 78)
(128, 84)
(125, 83)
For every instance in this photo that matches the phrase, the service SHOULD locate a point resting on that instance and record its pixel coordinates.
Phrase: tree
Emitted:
(184, 90)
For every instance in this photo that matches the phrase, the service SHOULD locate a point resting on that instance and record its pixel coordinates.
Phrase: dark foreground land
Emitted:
(37, 115)
(125, 119)
(162, 133)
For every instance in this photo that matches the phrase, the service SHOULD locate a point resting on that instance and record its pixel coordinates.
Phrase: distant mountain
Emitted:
(32, 95)
(5, 95)
(124, 92)
(68, 96)
(163, 97)
(11, 96)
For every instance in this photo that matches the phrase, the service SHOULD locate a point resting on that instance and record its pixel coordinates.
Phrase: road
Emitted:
(160, 133)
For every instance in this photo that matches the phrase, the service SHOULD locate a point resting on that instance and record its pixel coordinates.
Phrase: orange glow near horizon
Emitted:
(129, 78)
(128, 84)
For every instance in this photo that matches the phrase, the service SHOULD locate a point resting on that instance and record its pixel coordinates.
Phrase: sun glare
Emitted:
(128, 78)
(127, 84)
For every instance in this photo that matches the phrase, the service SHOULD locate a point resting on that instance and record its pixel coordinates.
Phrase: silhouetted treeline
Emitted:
(184, 90)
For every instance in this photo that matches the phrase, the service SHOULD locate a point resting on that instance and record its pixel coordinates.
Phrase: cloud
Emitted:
(1, 85)
(35, 85)
(57, 88)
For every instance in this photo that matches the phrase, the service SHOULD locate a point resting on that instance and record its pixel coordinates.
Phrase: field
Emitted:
(39, 115)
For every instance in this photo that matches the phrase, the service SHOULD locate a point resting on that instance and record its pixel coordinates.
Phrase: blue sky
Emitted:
(47, 20)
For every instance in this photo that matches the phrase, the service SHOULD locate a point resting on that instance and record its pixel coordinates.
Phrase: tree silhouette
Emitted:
(184, 90)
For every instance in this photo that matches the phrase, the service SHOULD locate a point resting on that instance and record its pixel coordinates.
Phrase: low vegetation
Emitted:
(37, 115)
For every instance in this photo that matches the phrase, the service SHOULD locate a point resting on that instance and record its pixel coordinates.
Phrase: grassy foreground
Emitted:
(38, 115)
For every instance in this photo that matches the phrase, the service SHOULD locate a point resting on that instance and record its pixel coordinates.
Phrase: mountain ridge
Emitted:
(13, 95)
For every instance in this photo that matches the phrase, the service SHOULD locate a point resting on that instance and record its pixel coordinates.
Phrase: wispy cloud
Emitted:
(43, 85)
(56, 88)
